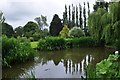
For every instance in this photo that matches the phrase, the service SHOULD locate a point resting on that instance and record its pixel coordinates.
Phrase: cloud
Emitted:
(19, 12)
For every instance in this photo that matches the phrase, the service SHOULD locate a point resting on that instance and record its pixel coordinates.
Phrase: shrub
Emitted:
(64, 32)
(36, 36)
(23, 39)
(51, 43)
(76, 32)
(57, 43)
(14, 51)
(81, 42)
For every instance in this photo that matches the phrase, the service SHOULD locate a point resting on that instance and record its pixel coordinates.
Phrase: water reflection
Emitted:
(59, 64)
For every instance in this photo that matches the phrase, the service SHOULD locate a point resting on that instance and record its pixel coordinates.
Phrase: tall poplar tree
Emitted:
(69, 13)
(84, 15)
(73, 16)
(80, 16)
(70, 22)
(65, 21)
(88, 8)
(76, 16)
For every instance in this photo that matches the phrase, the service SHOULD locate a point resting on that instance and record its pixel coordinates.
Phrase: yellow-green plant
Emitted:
(64, 32)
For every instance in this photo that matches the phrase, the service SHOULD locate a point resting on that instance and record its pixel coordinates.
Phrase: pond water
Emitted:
(68, 63)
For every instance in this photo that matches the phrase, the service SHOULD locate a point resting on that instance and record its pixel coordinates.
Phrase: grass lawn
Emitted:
(34, 44)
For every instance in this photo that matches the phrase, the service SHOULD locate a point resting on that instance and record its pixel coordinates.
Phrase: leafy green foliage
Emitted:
(7, 29)
(57, 43)
(101, 4)
(22, 39)
(90, 71)
(117, 44)
(51, 43)
(39, 34)
(64, 32)
(112, 21)
(107, 68)
(30, 28)
(80, 42)
(95, 26)
(41, 21)
(19, 31)
(76, 32)
(65, 16)
(15, 51)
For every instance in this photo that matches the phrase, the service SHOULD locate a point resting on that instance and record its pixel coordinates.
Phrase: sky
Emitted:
(18, 13)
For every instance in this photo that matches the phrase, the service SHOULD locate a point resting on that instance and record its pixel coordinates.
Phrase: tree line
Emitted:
(76, 15)
(32, 30)
(72, 16)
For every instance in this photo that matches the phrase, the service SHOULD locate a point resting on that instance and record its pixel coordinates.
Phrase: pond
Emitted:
(68, 63)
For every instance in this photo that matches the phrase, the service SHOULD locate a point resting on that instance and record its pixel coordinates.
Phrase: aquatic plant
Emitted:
(107, 68)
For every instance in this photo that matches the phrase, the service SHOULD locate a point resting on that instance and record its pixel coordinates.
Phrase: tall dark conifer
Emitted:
(73, 16)
(80, 16)
(69, 22)
(88, 8)
(65, 21)
(84, 15)
(76, 16)
(55, 26)
(69, 13)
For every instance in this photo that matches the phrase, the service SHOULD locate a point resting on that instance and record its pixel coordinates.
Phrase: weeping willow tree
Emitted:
(115, 11)
(103, 25)
(112, 31)
(107, 27)
(95, 26)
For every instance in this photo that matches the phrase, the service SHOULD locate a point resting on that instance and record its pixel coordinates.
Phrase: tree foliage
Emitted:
(76, 15)
(88, 8)
(7, 29)
(94, 22)
(41, 21)
(100, 4)
(19, 31)
(84, 15)
(80, 16)
(73, 15)
(30, 28)
(105, 25)
(65, 17)
(76, 32)
(64, 32)
(55, 26)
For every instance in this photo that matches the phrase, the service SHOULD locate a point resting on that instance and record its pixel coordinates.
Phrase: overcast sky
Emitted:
(18, 13)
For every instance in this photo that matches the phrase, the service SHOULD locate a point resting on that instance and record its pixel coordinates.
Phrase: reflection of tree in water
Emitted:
(74, 60)
(76, 66)
(73, 63)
